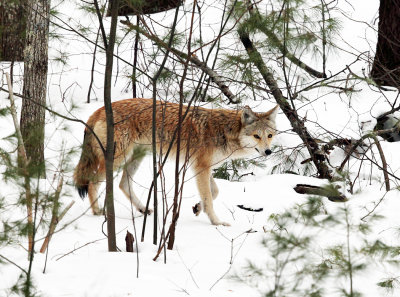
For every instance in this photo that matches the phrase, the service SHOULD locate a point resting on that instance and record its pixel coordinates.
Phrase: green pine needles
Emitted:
(315, 252)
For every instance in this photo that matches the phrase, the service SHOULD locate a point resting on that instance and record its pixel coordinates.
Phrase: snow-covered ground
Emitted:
(205, 258)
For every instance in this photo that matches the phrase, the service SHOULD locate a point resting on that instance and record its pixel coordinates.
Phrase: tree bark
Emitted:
(386, 67)
(109, 156)
(35, 83)
(12, 30)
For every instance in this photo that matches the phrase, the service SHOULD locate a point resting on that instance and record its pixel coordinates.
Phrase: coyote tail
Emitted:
(86, 168)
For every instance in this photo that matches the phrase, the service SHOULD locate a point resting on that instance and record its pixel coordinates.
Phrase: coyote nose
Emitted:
(268, 152)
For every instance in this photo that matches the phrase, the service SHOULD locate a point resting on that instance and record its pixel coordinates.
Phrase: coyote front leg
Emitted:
(214, 192)
(214, 188)
(203, 180)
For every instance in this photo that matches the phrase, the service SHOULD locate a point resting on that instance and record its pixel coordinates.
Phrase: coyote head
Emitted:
(258, 130)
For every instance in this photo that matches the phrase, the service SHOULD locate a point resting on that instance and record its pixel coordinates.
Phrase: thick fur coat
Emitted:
(208, 137)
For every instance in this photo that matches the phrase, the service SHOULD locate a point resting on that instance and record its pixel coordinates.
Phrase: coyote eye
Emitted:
(269, 135)
(256, 136)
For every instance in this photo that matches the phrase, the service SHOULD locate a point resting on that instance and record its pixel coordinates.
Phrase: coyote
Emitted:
(208, 137)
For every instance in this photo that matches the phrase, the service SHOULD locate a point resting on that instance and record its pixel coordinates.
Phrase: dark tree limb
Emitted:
(361, 140)
(135, 55)
(101, 25)
(318, 157)
(315, 190)
(92, 71)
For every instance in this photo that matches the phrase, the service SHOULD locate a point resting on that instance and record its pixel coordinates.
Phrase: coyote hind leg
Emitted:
(129, 171)
(93, 193)
(93, 187)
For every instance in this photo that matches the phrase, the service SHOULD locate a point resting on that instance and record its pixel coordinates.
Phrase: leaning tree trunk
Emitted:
(35, 82)
(386, 67)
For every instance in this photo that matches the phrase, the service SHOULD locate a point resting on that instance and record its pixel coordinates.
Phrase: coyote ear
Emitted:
(271, 114)
(248, 116)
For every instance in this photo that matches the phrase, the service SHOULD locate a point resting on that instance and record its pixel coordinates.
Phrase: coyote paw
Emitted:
(219, 223)
(196, 209)
(143, 210)
(97, 212)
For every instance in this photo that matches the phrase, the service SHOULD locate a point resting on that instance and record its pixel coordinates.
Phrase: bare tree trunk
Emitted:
(386, 67)
(12, 30)
(35, 83)
(112, 244)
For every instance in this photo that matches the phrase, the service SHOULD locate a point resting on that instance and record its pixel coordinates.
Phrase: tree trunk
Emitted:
(386, 67)
(35, 83)
(112, 244)
(12, 30)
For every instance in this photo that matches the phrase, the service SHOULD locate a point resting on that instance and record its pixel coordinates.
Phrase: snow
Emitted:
(205, 258)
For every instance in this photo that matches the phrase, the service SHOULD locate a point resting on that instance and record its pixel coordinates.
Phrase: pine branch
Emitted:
(255, 16)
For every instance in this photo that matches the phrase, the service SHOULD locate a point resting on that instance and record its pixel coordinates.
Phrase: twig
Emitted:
(53, 226)
(359, 142)
(188, 269)
(13, 263)
(78, 248)
(61, 116)
(373, 209)
(193, 59)
(233, 256)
